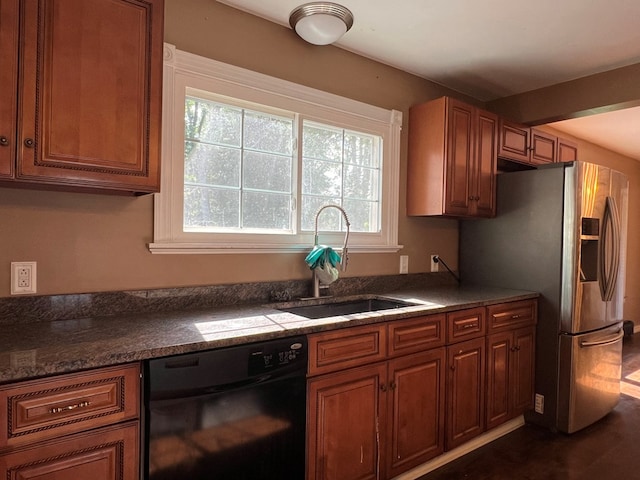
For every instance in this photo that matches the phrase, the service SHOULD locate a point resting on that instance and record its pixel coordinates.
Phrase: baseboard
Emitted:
(470, 446)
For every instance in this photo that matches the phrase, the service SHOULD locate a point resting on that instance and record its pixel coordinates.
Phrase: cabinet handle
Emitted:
(70, 407)
(470, 325)
(515, 317)
(383, 387)
(4, 141)
(29, 143)
(393, 385)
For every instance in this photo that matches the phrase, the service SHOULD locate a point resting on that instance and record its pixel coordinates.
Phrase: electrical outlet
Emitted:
(539, 403)
(23, 278)
(435, 265)
(404, 263)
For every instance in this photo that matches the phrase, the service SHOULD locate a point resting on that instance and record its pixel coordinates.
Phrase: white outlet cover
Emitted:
(23, 278)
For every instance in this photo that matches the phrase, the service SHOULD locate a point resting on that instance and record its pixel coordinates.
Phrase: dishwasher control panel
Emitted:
(277, 355)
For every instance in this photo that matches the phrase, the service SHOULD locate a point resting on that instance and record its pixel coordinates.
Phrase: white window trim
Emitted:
(181, 67)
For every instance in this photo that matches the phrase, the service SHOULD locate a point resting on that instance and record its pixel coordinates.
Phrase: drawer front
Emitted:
(351, 347)
(416, 334)
(512, 315)
(50, 407)
(465, 324)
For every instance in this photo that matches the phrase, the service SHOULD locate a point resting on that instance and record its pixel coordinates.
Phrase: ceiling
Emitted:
(495, 48)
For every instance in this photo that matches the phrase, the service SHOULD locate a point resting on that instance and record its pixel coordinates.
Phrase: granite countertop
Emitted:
(50, 347)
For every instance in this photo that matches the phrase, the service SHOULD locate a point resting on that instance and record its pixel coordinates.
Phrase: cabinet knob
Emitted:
(393, 385)
(4, 141)
(29, 143)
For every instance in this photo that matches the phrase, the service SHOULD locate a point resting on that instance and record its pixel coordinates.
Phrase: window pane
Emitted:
(363, 215)
(212, 122)
(360, 149)
(211, 207)
(267, 172)
(266, 210)
(211, 165)
(322, 143)
(321, 178)
(330, 219)
(268, 133)
(361, 183)
(341, 167)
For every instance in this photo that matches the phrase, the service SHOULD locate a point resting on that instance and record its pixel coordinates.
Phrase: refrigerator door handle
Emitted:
(607, 341)
(609, 250)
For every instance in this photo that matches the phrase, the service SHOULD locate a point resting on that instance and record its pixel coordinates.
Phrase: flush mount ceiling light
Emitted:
(321, 23)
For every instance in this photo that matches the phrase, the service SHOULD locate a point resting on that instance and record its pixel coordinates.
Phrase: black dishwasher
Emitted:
(232, 413)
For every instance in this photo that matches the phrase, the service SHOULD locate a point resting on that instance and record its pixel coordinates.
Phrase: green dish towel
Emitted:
(323, 260)
(320, 255)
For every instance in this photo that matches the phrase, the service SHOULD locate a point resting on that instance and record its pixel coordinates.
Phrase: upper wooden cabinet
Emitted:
(523, 144)
(514, 141)
(452, 159)
(83, 109)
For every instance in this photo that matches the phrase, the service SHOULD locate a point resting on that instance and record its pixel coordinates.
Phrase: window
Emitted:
(248, 160)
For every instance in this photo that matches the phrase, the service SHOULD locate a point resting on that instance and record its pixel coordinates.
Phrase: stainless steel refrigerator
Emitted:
(561, 231)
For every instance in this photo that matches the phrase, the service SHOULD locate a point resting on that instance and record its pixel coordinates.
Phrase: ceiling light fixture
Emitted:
(321, 23)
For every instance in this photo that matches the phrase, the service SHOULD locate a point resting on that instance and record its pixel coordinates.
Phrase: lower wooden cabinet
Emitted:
(346, 413)
(465, 391)
(81, 425)
(416, 407)
(109, 453)
(510, 374)
(385, 398)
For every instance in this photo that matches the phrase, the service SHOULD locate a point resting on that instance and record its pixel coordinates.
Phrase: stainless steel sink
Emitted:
(346, 308)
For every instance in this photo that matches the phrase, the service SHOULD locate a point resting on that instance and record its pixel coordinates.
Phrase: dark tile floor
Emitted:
(609, 449)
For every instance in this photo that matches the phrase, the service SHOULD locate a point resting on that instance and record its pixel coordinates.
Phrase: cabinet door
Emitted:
(543, 147)
(8, 84)
(567, 151)
(104, 454)
(499, 353)
(460, 141)
(346, 417)
(416, 410)
(91, 97)
(523, 369)
(513, 141)
(484, 171)
(465, 390)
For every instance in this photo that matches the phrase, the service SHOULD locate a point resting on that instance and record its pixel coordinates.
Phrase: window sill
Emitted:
(198, 248)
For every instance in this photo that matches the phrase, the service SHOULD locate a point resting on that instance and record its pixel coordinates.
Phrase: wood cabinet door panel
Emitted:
(543, 147)
(512, 315)
(340, 349)
(460, 141)
(346, 418)
(91, 96)
(513, 141)
(567, 150)
(499, 353)
(110, 453)
(523, 381)
(8, 85)
(416, 334)
(465, 324)
(47, 408)
(465, 390)
(416, 412)
(484, 171)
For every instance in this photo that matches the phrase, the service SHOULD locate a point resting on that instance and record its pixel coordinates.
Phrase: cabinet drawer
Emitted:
(351, 347)
(416, 334)
(50, 407)
(107, 453)
(512, 315)
(465, 324)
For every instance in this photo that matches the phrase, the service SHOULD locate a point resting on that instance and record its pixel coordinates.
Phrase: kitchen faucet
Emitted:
(343, 259)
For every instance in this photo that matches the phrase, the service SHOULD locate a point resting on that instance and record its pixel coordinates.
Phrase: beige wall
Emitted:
(91, 243)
